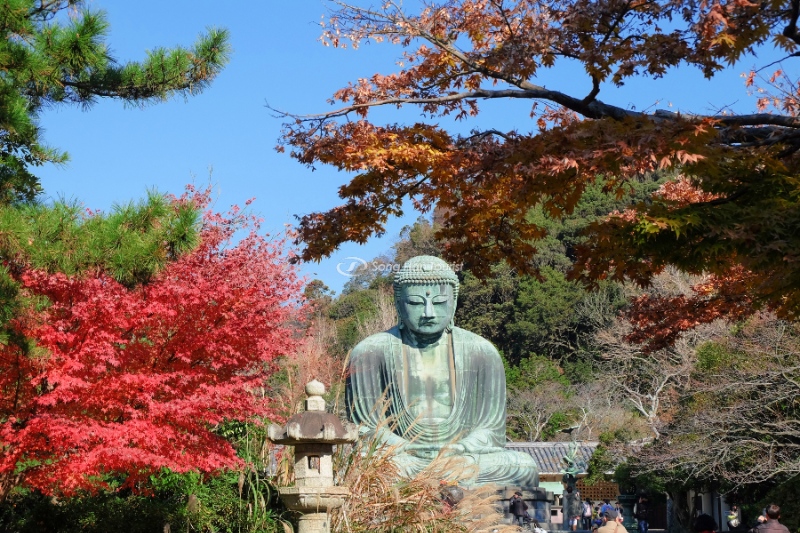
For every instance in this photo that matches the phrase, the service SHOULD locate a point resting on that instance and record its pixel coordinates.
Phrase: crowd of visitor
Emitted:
(608, 518)
(605, 519)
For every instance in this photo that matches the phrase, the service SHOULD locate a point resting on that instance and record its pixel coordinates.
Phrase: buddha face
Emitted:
(426, 310)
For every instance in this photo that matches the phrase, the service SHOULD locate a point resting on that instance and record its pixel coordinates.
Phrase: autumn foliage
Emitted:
(129, 380)
(738, 215)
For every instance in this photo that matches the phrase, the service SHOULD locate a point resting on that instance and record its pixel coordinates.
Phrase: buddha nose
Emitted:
(429, 308)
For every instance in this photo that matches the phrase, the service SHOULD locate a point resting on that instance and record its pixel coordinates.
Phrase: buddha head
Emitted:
(425, 294)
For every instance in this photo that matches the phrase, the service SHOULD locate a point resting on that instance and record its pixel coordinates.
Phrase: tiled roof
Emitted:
(549, 455)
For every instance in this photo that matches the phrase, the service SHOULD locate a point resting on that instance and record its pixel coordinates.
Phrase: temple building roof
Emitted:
(549, 456)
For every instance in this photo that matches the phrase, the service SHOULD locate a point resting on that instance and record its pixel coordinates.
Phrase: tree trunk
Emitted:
(679, 516)
(7, 484)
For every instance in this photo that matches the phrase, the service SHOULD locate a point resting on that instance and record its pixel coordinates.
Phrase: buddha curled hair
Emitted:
(424, 270)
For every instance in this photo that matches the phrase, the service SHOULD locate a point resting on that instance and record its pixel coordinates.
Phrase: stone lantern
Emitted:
(313, 434)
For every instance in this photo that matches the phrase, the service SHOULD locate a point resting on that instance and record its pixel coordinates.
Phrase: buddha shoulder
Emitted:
(382, 339)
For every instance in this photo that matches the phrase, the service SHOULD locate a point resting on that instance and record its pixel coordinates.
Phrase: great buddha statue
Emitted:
(426, 388)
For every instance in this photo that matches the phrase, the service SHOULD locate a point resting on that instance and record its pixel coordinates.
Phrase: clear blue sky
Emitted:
(117, 153)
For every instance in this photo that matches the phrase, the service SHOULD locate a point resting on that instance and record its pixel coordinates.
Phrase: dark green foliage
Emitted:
(240, 501)
(317, 292)
(524, 315)
(486, 307)
(600, 464)
(579, 370)
(544, 315)
(538, 399)
(186, 502)
(348, 311)
(354, 304)
(34, 513)
(604, 467)
(47, 58)
(534, 371)
(784, 493)
(417, 239)
(714, 356)
(557, 249)
(131, 243)
(557, 422)
(549, 315)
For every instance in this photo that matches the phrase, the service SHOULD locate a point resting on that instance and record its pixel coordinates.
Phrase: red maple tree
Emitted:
(134, 379)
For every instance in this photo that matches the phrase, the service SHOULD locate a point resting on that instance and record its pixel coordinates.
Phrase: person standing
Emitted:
(606, 507)
(771, 525)
(641, 514)
(611, 523)
(734, 518)
(586, 515)
(518, 508)
(572, 507)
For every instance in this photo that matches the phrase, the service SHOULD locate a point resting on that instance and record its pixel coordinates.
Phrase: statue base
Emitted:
(539, 503)
(314, 523)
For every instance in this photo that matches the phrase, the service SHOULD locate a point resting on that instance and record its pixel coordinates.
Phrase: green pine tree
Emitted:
(131, 244)
(54, 52)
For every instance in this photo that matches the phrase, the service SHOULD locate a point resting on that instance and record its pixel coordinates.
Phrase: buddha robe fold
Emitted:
(382, 393)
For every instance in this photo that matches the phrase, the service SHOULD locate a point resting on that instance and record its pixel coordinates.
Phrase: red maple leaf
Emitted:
(132, 380)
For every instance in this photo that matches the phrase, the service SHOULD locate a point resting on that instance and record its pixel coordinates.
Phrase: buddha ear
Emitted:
(400, 323)
(452, 323)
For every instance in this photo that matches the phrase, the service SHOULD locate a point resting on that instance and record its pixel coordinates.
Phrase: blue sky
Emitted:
(227, 136)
